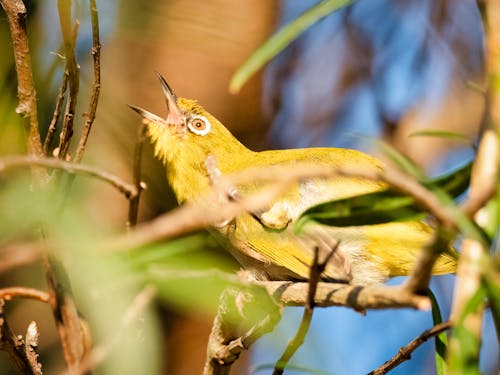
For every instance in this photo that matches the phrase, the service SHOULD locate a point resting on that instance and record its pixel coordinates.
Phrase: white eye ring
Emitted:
(199, 125)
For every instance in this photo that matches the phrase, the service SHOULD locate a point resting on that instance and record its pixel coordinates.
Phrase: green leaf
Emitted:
(441, 340)
(452, 136)
(282, 38)
(464, 344)
(382, 206)
(453, 183)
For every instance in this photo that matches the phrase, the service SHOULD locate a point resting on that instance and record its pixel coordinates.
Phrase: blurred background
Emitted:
(377, 69)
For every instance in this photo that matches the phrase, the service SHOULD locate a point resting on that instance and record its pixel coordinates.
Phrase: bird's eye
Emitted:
(199, 125)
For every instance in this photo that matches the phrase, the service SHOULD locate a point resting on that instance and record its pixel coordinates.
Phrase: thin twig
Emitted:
(96, 85)
(56, 115)
(20, 291)
(71, 70)
(137, 174)
(16, 14)
(404, 353)
(317, 268)
(14, 162)
(14, 347)
(102, 351)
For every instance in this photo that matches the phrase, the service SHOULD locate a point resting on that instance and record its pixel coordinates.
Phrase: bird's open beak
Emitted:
(174, 118)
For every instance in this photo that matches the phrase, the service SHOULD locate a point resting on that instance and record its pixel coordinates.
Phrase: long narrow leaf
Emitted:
(282, 38)
(452, 136)
(441, 340)
(382, 206)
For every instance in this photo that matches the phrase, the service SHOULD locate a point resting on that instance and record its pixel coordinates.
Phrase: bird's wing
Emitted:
(317, 190)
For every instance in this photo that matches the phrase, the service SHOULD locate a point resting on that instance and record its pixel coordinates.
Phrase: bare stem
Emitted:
(71, 70)
(55, 116)
(14, 162)
(19, 291)
(139, 185)
(16, 14)
(96, 85)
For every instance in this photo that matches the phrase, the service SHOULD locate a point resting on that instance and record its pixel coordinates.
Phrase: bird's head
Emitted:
(185, 139)
(188, 132)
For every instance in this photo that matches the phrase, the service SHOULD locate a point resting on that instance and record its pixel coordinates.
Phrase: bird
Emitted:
(265, 243)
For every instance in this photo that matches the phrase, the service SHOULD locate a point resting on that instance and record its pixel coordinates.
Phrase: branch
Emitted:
(16, 14)
(55, 116)
(19, 291)
(13, 162)
(72, 71)
(359, 298)
(15, 348)
(211, 211)
(96, 85)
(404, 354)
(224, 343)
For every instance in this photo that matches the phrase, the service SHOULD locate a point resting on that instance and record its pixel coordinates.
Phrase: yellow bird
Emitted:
(265, 243)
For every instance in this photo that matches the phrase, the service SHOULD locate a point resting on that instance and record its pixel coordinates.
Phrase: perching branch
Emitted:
(16, 14)
(359, 298)
(404, 353)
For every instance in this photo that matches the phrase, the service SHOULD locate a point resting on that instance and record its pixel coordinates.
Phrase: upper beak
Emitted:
(174, 115)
